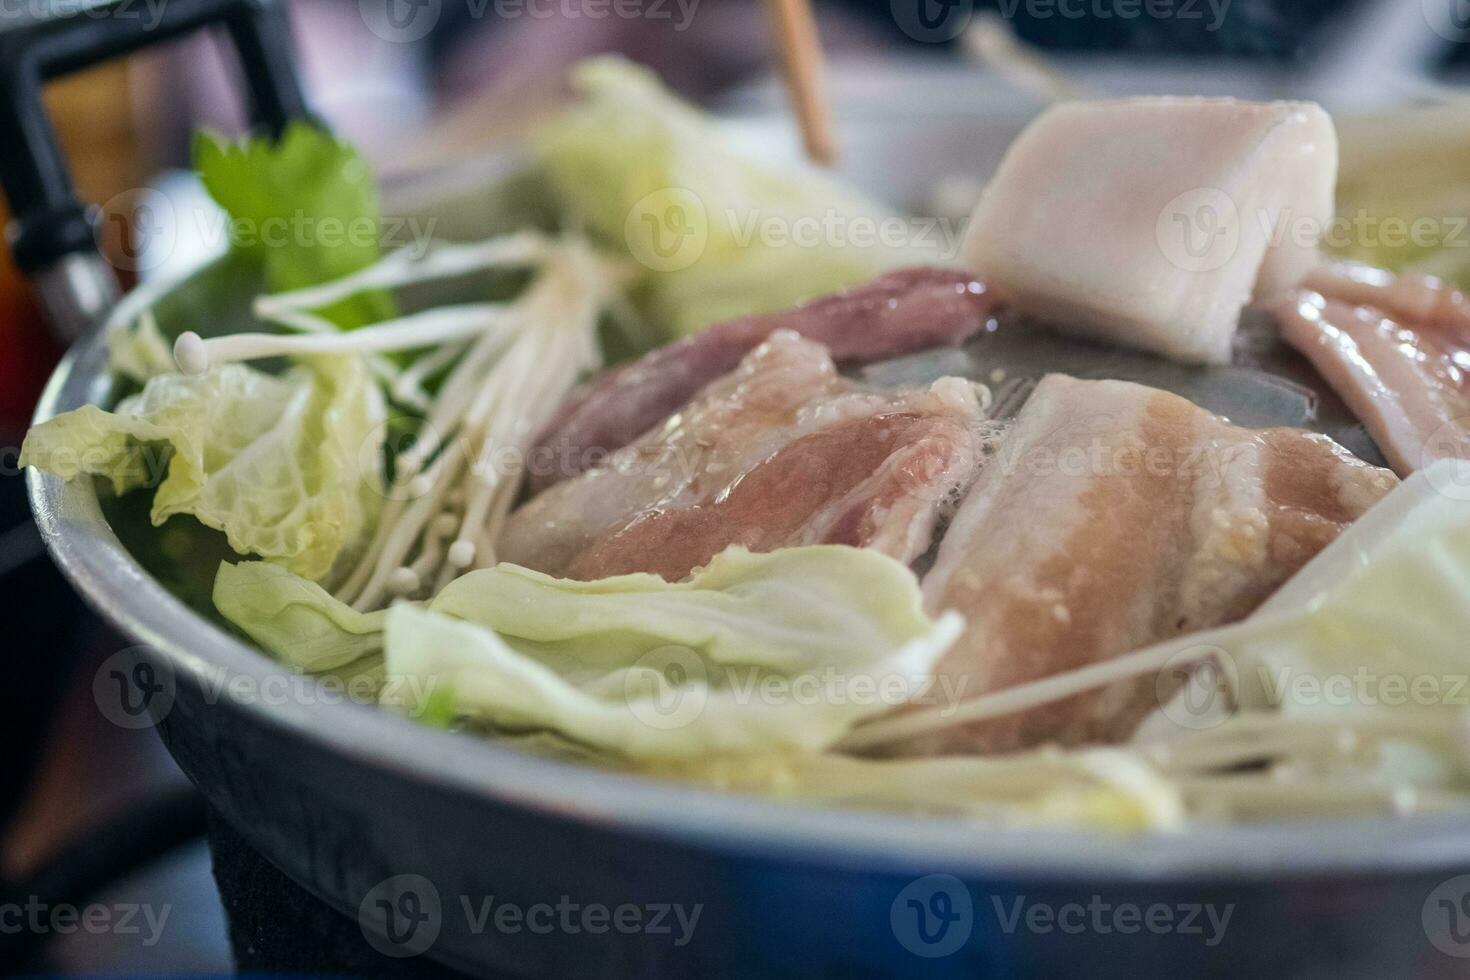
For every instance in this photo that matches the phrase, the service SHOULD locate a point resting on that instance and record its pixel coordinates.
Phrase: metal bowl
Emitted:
(412, 829)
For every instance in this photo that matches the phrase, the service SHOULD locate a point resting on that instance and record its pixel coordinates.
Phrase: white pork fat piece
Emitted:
(1153, 222)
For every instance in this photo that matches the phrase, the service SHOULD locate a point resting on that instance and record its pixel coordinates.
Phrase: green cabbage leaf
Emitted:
(783, 650)
(717, 233)
(287, 466)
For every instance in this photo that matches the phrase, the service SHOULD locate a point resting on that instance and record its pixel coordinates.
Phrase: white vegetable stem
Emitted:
(496, 418)
(383, 369)
(444, 324)
(412, 378)
(403, 268)
(516, 363)
(1022, 697)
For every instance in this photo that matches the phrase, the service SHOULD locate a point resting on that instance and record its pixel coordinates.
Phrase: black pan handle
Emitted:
(49, 223)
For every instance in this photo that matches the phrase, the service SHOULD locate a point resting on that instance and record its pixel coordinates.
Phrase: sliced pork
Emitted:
(1112, 516)
(780, 452)
(1397, 351)
(903, 311)
(1152, 222)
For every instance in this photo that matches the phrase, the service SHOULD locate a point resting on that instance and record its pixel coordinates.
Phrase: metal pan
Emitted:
(346, 799)
(425, 836)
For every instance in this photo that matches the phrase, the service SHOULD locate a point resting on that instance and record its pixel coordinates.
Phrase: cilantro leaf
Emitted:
(306, 205)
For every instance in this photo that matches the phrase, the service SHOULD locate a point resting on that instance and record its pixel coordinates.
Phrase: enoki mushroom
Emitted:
(506, 367)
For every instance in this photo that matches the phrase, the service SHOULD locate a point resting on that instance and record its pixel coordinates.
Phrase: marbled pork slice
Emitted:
(780, 452)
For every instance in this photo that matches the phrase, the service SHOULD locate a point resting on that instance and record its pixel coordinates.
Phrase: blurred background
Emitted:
(421, 84)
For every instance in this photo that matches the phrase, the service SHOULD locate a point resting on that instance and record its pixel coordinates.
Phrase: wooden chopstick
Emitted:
(802, 65)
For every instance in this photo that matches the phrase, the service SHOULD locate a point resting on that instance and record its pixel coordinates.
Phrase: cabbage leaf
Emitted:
(1403, 194)
(298, 621)
(285, 465)
(1105, 789)
(139, 351)
(1386, 606)
(719, 234)
(782, 650)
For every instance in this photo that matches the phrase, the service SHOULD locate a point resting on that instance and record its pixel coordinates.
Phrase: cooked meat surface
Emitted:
(906, 310)
(1396, 349)
(1112, 516)
(780, 452)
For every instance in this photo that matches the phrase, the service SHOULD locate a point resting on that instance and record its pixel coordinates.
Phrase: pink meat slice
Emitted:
(1397, 351)
(780, 452)
(902, 311)
(1112, 516)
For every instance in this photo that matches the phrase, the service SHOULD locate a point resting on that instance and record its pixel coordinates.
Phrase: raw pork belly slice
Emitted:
(1152, 222)
(1397, 350)
(782, 451)
(904, 311)
(1112, 516)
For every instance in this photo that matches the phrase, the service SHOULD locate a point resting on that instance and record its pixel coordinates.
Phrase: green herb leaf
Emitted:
(308, 205)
